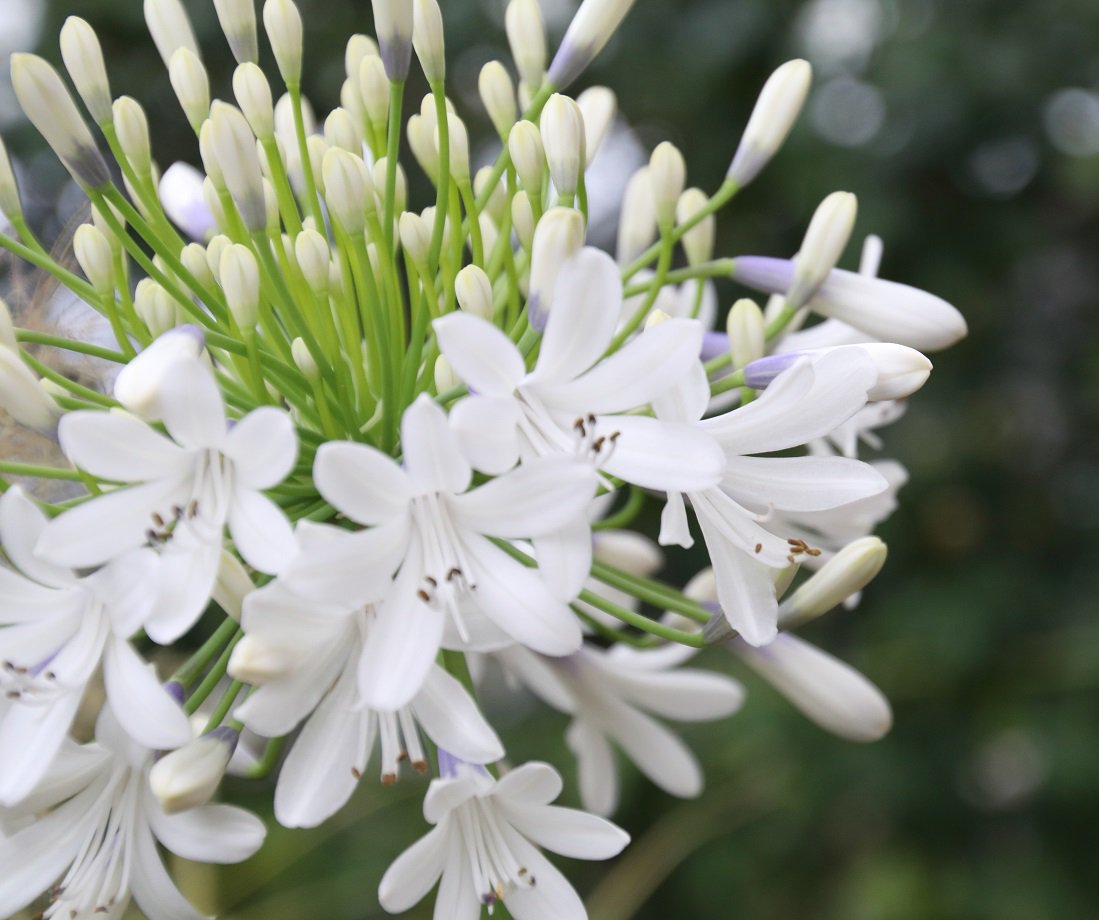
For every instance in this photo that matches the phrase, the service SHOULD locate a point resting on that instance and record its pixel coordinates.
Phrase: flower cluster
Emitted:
(350, 452)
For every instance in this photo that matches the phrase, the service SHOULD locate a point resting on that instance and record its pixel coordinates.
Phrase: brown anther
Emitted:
(157, 519)
(12, 695)
(791, 560)
(453, 573)
(578, 426)
(812, 551)
(615, 435)
(402, 757)
(597, 444)
(192, 509)
(420, 766)
(389, 779)
(759, 547)
(591, 419)
(177, 511)
(151, 535)
(423, 595)
(357, 773)
(431, 581)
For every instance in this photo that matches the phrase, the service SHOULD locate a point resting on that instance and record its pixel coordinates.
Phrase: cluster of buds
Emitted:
(391, 442)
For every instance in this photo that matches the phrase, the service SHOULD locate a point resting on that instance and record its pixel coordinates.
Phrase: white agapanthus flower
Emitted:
(610, 695)
(184, 489)
(310, 652)
(485, 846)
(56, 627)
(89, 832)
(440, 531)
(572, 403)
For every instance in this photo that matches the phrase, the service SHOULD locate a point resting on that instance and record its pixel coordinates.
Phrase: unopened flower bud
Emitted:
(340, 131)
(180, 193)
(138, 385)
(824, 242)
(474, 291)
(526, 30)
(83, 58)
(374, 89)
(170, 28)
(668, 175)
(7, 328)
(773, 116)
(832, 694)
(346, 187)
(156, 308)
(522, 219)
(459, 148)
(400, 193)
(253, 94)
(421, 135)
(393, 20)
(558, 236)
(528, 156)
(901, 370)
(10, 205)
(234, 147)
(590, 30)
(415, 237)
(445, 378)
(96, 259)
(132, 128)
(846, 573)
(316, 146)
(238, 22)
(191, 85)
(562, 129)
(427, 38)
(193, 258)
(299, 351)
(698, 242)
(870, 257)
(284, 119)
(282, 22)
(257, 662)
(45, 100)
(498, 97)
(189, 776)
(22, 395)
(746, 329)
(358, 47)
(239, 278)
(211, 198)
(637, 221)
(598, 105)
(214, 251)
(313, 257)
(497, 201)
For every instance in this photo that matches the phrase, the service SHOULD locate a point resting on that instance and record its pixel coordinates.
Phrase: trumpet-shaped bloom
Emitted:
(439, 531)
(485, 846)
(55, 629)
(572, 403)
(184, 489)
(92, 827)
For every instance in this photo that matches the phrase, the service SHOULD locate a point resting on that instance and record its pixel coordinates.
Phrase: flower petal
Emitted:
(153, 889)
(487, 431)
(800, 483)
(452, 720)
(567, 831)
(261, 531)
(431, 455)
(481, 355)
(668, 456)
(361, 481)
(194, 413)
(119, 446)
(412, 874)
(30, 737)
(552, 897)
(188, 571)
(210, 833)
(127, 589)
(263, 448)
(532, 783)
(686, 695)
(564, 559)
(21, 524)
(595, 763)
(146, 711)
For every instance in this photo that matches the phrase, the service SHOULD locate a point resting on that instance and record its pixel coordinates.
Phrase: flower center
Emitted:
(447, 574)
(205, 507)
(495, 868)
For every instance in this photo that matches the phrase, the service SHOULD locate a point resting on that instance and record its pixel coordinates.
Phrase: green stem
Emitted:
(392, 151)
(55, 341)
(313, 199)
(650, 591)
(213, 677)
(718, 268)
(626, 514)
(188, 673)
(442, 187)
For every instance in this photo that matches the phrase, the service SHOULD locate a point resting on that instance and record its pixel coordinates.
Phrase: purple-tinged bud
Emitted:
(590, 30)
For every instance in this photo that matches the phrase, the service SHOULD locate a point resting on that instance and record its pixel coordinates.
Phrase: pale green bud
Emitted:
(474, 291)
(9, 191)
(189, 776)
(845, 574)
(775, 112)
(427, 38)
(415, 234)
(132, 128)
(193, 257)
(489, 232)
(558, 236)
(234, 147)
(428, 215)
(96, 260)
(100, 222)
(233, 585)
(590, 30)
(746, 329)
(316, 146)
(351, 99)
(824, 242)
(208, 156)
(346, 179)
(271, 206)
(238, 22)
(562, 129)
(459, 147)
(45, 100)
(421, 133)
(22, 395)
(374, 89)
(497, 203)
(668, 175)
(522, 219)
(400, 192)
(313, 256)
(253, 94)
(598, 106)
(191, 85)
(445, 377)
(359, 46)
(340, 131)
(528, 156)
(83, 58)
(7, 328)
(239, 277)
(299, 351)
(257, 662)
(498, 97)
(215, 249)
(393, 21)
(284, 120)
(282, 22)
(526, 30)
(637, 220)
(698, 242)
(157, 310)
(170, 28)
(212, 200)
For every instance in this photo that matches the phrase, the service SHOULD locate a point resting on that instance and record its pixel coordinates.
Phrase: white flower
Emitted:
(95, 832)
(571, 403)
(186, 488)
(609, 695)
(485, 846)
(181, 195)
(438, 529)
(805, 402)
(319, 647)
(55, 629)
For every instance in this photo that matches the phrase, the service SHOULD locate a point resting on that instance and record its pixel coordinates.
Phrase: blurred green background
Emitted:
(970, 133)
